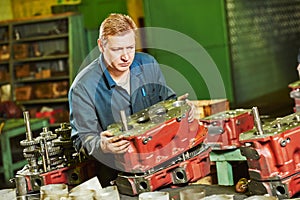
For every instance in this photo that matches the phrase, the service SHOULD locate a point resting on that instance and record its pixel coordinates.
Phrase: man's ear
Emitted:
(100, 45)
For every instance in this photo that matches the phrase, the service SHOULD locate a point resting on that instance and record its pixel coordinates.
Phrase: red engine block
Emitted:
(189, 170)
(225, 127)
(72, 176)
(157, 135)
(274, 156)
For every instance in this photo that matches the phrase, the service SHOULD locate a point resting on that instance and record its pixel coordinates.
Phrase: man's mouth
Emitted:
(124, 64)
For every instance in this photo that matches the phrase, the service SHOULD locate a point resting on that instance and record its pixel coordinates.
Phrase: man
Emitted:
(120, 79)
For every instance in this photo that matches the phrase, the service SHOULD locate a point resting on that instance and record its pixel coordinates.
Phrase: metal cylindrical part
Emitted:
(124, 120)
(257, 121)
(21, 186)
(43, 153)
(27, 124)
(297, 118)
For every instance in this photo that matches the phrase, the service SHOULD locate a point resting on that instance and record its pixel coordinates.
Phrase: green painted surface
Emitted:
(202, 21)
(97, 10)
(229, 155)
(78, 48)
(94, 13)
(224, 167)
(224, 173)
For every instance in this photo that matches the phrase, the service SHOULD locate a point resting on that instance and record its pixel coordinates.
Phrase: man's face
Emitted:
(118, 51)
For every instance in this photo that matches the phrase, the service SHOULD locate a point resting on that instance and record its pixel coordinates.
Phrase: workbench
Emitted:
(15, 128)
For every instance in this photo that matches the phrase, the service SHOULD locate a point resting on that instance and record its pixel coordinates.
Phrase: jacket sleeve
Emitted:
(83, 120)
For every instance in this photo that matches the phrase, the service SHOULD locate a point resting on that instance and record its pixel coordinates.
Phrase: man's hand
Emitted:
(192, 110)
(113, 144)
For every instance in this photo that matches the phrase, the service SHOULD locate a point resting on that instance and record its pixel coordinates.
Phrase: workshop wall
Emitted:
(264, 38)
(253, 43)
(6, 10)
(204, 22)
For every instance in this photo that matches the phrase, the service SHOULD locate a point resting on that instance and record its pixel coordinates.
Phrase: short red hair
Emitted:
(116, 24)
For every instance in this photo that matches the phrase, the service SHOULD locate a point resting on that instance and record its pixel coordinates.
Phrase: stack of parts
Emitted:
(165, 148)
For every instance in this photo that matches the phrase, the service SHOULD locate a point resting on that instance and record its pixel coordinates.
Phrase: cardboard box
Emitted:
(4, 76)
(205, 108)
(20, 51)
(4, 52)
(22, 71)
(43, 91)
(23, 93)
(45, 73)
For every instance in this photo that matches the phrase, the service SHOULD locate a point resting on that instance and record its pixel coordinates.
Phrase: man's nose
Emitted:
(125, 55)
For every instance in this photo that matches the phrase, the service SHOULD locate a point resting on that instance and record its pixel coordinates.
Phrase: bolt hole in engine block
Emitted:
(74, 176)
(280, 190)
(179, 175)
(143, 185)
(38, 182)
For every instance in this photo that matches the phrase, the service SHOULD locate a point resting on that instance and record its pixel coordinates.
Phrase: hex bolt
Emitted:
(283, 143)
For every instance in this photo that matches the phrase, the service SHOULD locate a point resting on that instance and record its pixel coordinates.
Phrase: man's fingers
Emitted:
(120, 143)
(121, 147)
(183, 97)
(191, 112)
(107, 134)
(124, 150)
(116, 138)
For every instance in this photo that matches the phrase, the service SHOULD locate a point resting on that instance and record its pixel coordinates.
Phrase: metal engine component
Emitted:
(295, 94)
(225, 127)
(273, 157)
(51, 159)
(157, 134)
(65, 143)
(165, 148)
(31, 150)
(189, 167)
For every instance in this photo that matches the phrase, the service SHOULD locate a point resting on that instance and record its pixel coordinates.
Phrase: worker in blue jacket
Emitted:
(119, 79)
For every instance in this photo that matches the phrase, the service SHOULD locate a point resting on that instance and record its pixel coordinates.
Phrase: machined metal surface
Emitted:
(225, 127)
(273, 157)
(156, 135)
(143, 121)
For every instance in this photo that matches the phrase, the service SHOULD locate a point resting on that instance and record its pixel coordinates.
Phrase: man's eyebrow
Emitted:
(119, 47)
